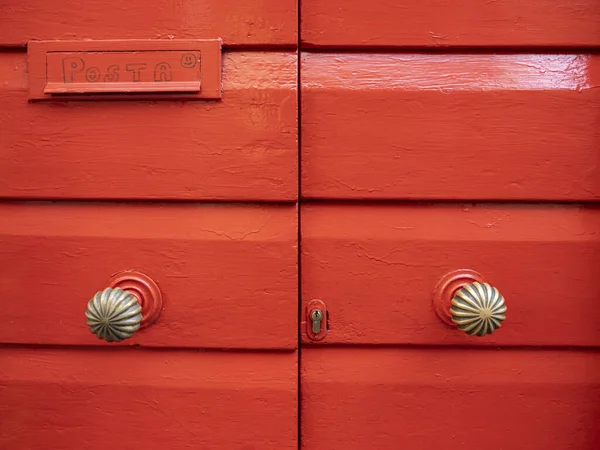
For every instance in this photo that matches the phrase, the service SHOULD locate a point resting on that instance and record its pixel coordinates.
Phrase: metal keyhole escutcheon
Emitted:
(316, 317)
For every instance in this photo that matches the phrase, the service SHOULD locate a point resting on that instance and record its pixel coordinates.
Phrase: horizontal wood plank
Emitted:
(448, 23)
(147, 399)
(454, 126)
(244, 147)
(376, 267)
(228, 274)
(238, 22)
(453, 399)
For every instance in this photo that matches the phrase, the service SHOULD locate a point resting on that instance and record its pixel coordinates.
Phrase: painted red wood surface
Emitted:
(460, 126)
(238, 22)
(154, 400)
(451, 399)
(228, 274)
(376, 267)
(243, 148)
(445, 23)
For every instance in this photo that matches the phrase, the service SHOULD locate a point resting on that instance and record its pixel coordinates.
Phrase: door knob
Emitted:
(114, 314)
(132, 301)
(462, 299)
(478, 309)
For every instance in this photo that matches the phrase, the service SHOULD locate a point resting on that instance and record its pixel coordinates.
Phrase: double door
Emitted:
(293, 221)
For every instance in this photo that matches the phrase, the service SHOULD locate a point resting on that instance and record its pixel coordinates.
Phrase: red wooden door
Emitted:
(452, 148)
(150, 170)
(148, 186)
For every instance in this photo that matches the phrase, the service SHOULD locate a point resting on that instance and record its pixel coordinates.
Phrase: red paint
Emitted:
(137, 70)
(238, 22)
(144, 289)
(432, 398)
(377, 266)
(242, 148)
(386, 370)
(460, 126)
(227, 274)
(447, 288)
(448, 23)
(154, 400)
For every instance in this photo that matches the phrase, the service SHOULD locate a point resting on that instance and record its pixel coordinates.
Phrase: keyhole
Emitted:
(316, 317)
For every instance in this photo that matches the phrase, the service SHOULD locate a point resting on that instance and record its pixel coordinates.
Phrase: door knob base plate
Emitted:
(447, 286)
(144, 289)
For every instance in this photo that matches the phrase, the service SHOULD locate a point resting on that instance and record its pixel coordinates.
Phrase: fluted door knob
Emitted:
(131, 302)
(478, 309)
(464, 300)
(114, 314)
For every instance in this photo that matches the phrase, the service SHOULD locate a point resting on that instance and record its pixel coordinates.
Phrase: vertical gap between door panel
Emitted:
(299, 214)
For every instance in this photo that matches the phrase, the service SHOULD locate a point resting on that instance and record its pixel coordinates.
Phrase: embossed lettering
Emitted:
(136, 70)
(70, 67)
(112, 73)
(162, 72)
(92, 74)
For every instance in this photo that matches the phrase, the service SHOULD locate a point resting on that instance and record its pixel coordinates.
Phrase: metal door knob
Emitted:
(132, 301)
(114, 314)
(478, 309)
(464, 300)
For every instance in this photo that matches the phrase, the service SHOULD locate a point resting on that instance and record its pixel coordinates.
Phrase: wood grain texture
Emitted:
(242, 148)
(238, 22)
(228, 274)
(376, 267)
(447, 23)
(458, 126)
(150, 400)
(384, 399)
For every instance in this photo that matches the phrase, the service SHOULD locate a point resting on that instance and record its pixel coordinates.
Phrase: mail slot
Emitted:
(81, 72)
(187, 69)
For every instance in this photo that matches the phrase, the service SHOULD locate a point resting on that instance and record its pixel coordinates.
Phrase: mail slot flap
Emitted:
(227, 274)
(451, 399)
(134, 398)
(148, 72)
(447, 23)
(378, 268)
(237, 22)
(242, 147)
(474, 126)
